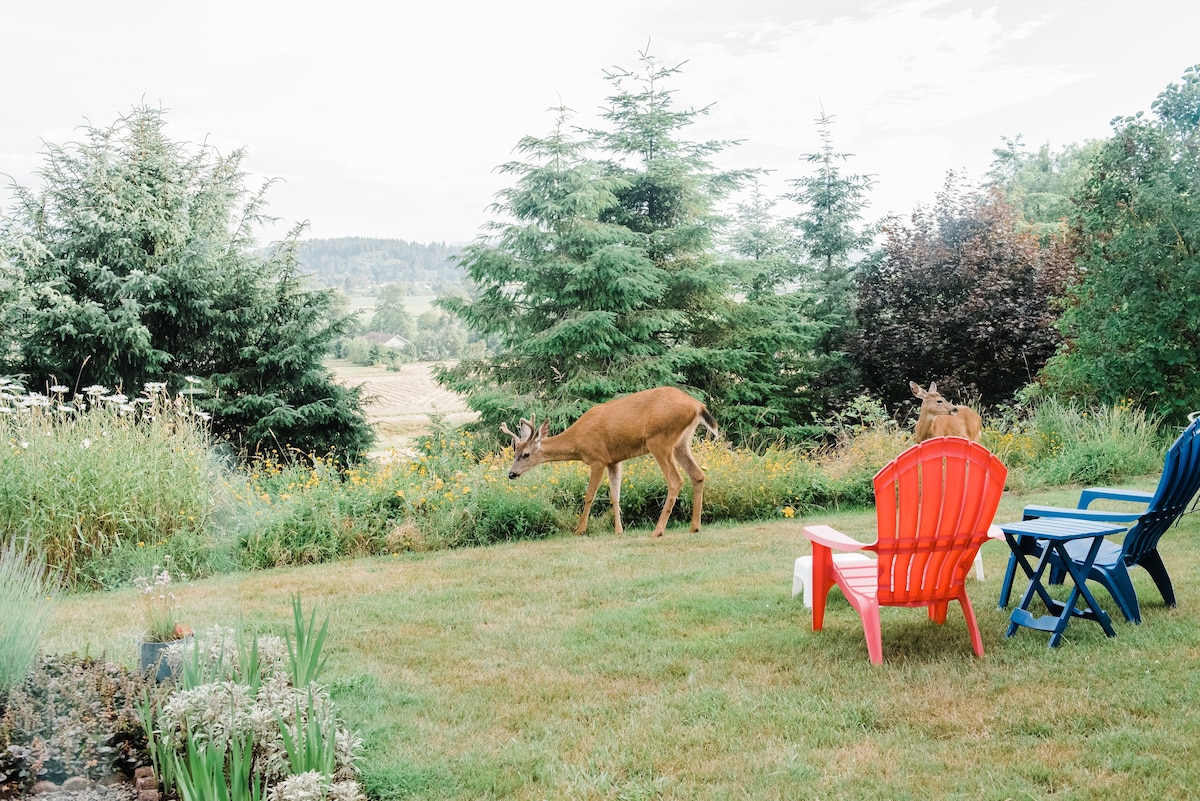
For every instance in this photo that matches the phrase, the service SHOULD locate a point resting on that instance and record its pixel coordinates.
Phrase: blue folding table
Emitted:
(1056, 533)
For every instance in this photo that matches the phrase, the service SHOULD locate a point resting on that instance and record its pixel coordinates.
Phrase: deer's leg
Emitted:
(674, 482)
(589, 496)
(614, 492)
(683, 455)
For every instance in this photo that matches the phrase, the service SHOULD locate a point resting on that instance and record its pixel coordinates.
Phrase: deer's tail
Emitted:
(710, 422)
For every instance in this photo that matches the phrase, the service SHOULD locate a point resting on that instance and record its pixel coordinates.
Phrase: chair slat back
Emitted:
(1176, 487)
(933, 505)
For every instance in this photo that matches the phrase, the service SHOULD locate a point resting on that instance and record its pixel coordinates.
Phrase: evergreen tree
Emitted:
(667, 196)
(136, 262)
(833, 243)
(568, 299)
(763, 259)
(1132, 323)
(602, 281)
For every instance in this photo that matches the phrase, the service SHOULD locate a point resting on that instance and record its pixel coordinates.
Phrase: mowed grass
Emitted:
(681, 668)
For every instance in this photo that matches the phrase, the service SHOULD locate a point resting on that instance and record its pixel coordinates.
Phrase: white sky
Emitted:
(389, 119)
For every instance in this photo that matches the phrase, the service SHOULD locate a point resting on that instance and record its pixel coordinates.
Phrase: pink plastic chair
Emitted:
(934, 505)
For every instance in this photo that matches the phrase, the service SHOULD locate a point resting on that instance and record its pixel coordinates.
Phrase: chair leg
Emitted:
(874, 632)
(1120, 587)
(972, 623)
(937, 612)
(822, 569)
(1153, 563)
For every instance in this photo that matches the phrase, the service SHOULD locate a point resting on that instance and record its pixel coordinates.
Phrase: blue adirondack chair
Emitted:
(1179, 481)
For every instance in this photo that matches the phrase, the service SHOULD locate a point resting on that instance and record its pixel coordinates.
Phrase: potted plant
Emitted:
(164, 628)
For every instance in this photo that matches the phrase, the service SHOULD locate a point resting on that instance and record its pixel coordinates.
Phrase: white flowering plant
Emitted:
(160, 607)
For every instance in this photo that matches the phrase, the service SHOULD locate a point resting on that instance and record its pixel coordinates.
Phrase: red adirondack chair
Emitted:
(934, 506)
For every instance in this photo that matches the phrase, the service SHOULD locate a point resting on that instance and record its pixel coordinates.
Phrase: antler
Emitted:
(527, 429)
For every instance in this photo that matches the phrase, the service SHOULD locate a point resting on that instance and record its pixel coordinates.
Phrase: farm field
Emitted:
(403, 400)
(415, 305)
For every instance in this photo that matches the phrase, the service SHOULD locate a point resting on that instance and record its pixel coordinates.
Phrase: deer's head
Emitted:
(527, 445)
(931, 401)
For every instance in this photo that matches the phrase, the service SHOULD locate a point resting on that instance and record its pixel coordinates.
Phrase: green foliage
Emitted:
(209, 773)
(1132, 324)
(391, 316)
(71, 716)
(961, 297)
(309, 746)
(492, 514)
(798, 317)
(25, 610)
(135, 262)
(304, 647)
(273, 393)
(1095, 447)
(1041, 185)
(312, 513)
(829, 230)
(103, 485)
(238, 729)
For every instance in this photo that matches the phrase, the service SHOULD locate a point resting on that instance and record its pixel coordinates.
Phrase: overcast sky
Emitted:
(389, 119)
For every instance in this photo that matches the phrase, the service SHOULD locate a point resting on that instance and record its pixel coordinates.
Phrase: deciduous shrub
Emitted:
(71, 716)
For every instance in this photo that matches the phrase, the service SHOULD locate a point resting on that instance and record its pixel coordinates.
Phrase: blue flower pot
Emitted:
(153, 658)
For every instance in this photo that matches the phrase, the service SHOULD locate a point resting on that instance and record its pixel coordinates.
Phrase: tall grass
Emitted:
(1057, 443)
(104, 485)
(25, 611)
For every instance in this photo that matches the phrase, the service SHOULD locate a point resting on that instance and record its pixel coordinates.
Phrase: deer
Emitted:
(659, 421)
(941, 418)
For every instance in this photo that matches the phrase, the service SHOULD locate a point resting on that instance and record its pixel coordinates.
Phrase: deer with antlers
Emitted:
(941, 418)
(659, 421)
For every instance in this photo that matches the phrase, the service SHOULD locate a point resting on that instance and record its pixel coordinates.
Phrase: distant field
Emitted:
(414, 305)
(404, 400)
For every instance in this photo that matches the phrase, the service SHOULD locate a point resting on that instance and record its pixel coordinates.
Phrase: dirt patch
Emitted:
(401, 403)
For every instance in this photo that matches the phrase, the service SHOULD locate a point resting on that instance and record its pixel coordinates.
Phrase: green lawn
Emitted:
(682, 668)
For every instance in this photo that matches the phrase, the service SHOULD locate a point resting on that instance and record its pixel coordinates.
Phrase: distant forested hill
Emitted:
(356, 262)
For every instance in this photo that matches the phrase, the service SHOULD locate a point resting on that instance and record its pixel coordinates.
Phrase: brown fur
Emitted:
(658, 421)
(941, 418)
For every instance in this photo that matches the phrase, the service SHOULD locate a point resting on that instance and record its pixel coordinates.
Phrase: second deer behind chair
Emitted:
(941, 418)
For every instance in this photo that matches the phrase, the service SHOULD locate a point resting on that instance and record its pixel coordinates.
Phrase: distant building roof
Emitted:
(385, 339)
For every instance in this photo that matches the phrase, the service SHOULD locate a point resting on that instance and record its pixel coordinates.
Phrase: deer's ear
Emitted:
(932, 387)
(916, 389)
(524, 431)
(544, 430)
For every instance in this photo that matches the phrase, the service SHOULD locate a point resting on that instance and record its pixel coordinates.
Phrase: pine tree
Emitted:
(833, 242)
(602, 280)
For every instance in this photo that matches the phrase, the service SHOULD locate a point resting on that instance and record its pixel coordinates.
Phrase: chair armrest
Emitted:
(1081, 514)
(1095, 493)
(995, 532)
(832, 538)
